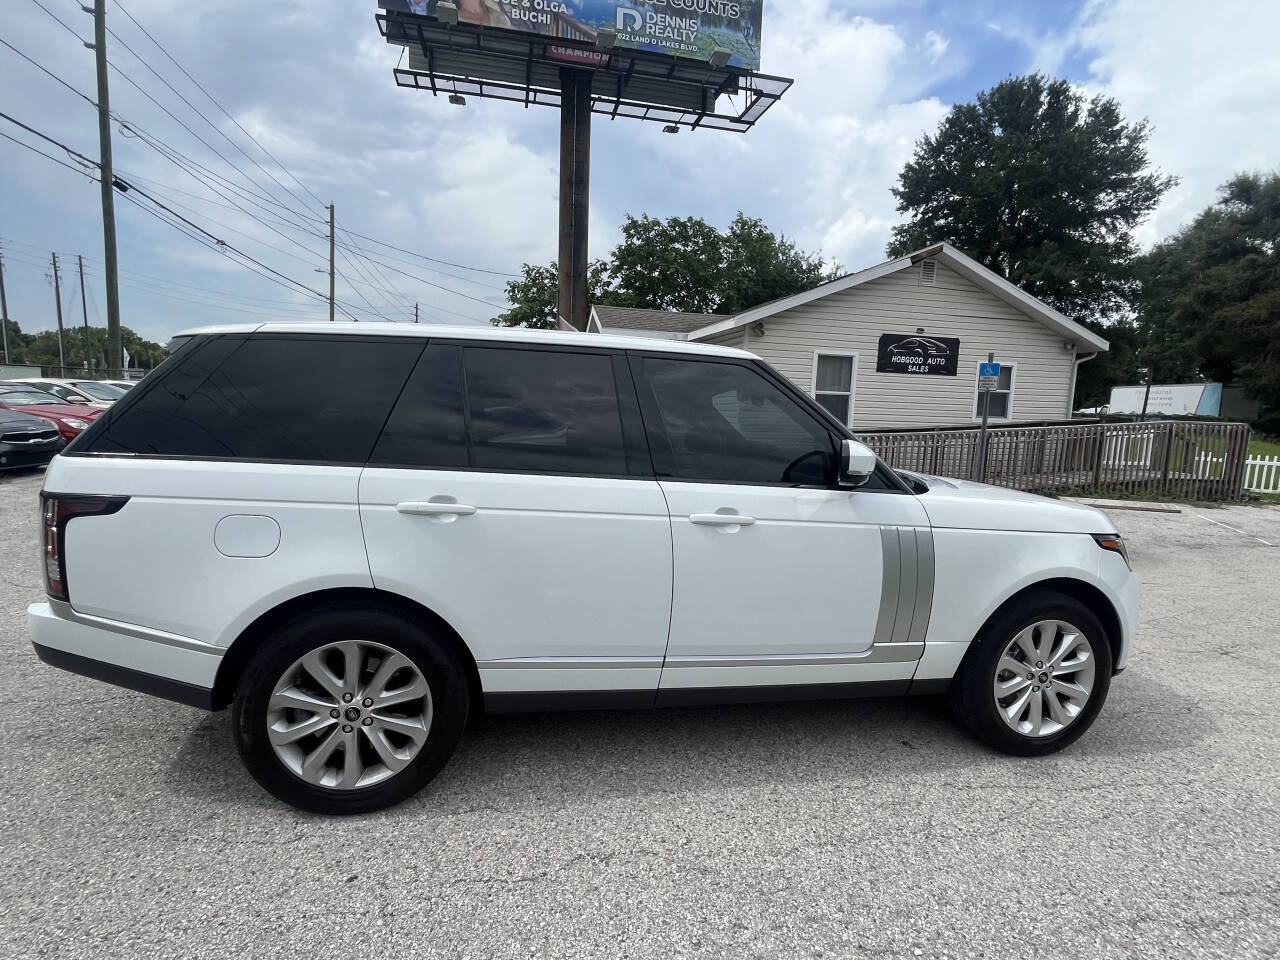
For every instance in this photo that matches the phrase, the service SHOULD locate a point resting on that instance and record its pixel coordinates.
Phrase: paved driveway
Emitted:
(869, 828)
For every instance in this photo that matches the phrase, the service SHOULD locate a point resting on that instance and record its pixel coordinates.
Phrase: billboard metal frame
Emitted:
(514, 66)
(460, 60)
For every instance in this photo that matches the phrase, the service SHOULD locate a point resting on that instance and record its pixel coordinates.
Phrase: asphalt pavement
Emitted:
(857, 829)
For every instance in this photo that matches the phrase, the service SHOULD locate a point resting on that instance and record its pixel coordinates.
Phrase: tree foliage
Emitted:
(1039, 184)
(1209, 304)
(42, 348)
(682, 263)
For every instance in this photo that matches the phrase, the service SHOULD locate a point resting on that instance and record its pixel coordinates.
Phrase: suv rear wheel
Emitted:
(1035, 677)
(349, 711)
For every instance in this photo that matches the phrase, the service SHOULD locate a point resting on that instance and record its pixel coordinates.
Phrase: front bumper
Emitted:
(13, 457)
(149, 661)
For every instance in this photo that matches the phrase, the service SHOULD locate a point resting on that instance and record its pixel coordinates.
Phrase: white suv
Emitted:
(470, 519)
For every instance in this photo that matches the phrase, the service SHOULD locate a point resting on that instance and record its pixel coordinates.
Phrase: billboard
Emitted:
(681, 28)
(1174, 399)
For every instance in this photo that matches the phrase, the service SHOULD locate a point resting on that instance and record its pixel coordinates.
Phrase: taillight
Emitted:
(56, 510)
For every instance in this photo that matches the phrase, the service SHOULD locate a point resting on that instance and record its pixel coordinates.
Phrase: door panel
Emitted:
(812, 591)
(780, 576)
(552, 582)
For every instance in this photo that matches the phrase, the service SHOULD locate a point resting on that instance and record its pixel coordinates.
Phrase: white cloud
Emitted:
(935, 45)
(1207, 77)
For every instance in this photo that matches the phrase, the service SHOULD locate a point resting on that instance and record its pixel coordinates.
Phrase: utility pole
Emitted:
(415, 304)
(4, 311)
(99, 11)
(575, 181)
(331, 263)
(57, 299)
(84, 307)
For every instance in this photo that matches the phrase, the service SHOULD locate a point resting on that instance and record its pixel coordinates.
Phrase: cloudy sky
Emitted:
(476, 187)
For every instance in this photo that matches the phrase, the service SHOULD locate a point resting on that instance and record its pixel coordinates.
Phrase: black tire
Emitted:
(450, 705)
(971, 695)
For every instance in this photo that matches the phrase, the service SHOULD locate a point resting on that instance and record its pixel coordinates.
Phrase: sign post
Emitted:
(988, 380)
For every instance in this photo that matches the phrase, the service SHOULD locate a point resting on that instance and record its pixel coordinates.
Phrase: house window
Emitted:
(834, 375)
(1000, 400)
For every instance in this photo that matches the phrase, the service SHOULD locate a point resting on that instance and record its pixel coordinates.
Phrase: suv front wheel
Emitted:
(349, 711)
(1036, 676)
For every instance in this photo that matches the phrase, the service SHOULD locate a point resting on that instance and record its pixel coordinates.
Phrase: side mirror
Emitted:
(857, 463)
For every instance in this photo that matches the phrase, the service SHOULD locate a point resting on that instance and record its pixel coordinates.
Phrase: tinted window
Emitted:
(727, 422)
(428, 427)
(264, 398)
(543, 411)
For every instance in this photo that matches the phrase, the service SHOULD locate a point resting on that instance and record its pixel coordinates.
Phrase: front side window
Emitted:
(543, 411)
(833, 379)
(729, 423)
(1000, 400)
(265, 397)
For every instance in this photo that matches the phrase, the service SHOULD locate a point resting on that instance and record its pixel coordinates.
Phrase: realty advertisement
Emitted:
(681, 28)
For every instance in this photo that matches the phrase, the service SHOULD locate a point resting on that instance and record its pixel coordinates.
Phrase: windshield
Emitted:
(16, 399)
(99, 391)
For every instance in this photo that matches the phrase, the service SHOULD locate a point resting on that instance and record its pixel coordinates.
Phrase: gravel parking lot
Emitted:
(867, 828)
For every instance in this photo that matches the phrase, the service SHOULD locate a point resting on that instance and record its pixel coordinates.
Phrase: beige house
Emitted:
(898, 344)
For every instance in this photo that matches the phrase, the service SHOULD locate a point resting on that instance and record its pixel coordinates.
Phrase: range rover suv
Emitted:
(472, 520)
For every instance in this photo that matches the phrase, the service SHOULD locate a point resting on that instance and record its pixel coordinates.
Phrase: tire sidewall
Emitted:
(973, 698)
(449, 705)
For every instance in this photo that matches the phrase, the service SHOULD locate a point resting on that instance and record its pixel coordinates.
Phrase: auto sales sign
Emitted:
(681, 28)
(918, 354)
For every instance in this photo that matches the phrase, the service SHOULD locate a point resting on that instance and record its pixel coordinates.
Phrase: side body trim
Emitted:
(66, 611)
(559, 700)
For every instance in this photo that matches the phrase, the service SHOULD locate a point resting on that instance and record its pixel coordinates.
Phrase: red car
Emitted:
(70, 418)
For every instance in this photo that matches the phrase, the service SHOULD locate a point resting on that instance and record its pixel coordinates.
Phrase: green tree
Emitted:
(673, 264)
(42, 348)
(1039, 184)
(533, 297)
(1209, 304)
(682, 263)
(1120, 364)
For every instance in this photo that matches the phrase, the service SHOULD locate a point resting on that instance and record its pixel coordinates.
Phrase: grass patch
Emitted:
(1264, 447)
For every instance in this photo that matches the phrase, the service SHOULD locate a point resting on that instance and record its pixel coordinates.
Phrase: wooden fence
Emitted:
(1181, 460)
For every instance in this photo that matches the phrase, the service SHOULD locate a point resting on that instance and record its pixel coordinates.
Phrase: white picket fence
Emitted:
(1262, 474)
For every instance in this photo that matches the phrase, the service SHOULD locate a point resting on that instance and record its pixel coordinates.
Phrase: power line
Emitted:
(45, 70)
(257, 194)
(216, 103)
(422, 256)
(221, 244)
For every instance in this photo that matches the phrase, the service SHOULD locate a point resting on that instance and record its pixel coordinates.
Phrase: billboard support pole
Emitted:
(575, 177)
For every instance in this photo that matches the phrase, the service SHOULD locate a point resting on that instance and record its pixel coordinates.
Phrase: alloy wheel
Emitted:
(348, 715)
(1044, 678)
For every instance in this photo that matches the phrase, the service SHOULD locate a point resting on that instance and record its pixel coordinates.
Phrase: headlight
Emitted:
(75, 424)
(1115, 543)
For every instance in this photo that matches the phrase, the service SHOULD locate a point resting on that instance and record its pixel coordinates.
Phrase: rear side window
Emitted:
(296, 398)
(543, 411)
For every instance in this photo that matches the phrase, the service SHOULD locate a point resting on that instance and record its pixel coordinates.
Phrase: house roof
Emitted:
(945, 253)
(662, 321)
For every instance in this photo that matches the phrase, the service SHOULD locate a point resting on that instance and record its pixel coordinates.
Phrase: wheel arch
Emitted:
(1099, 605)
(242, 649)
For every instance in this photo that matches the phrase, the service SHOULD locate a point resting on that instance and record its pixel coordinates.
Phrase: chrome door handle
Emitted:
(721, 519)
(434, 508)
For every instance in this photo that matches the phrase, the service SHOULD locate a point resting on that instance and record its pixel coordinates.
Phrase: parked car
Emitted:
(70, 419)
(72, 391)
(27, 441)
(124, 385)
(477, 520)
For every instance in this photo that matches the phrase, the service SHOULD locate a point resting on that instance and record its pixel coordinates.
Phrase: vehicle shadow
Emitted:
(509, 762)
